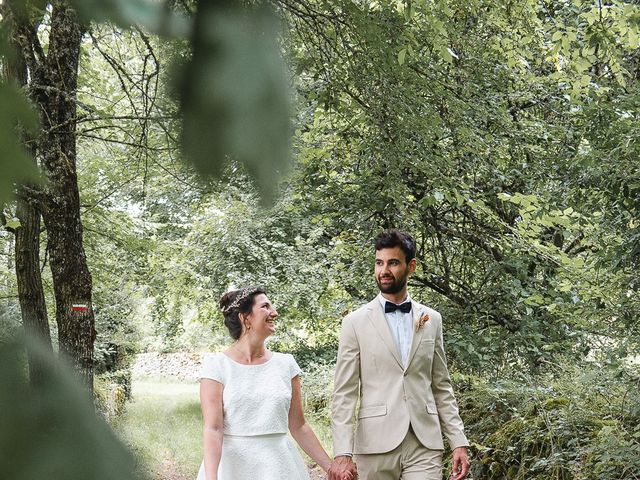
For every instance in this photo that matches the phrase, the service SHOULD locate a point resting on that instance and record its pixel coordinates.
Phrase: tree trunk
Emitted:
(52, 85)
(61, 206)
(27, 240)
(10, 266)
(29, 280)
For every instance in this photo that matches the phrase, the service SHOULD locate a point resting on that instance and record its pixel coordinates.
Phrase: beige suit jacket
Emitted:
(371, 379)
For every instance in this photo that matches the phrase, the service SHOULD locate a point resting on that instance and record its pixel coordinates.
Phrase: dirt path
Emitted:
(317, 473)
(170, 470)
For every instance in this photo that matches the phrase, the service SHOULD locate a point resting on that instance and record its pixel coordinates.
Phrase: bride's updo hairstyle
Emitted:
(235, 302)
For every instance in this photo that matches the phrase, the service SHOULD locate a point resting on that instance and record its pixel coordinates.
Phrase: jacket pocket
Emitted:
(372, 411)
(427, 347)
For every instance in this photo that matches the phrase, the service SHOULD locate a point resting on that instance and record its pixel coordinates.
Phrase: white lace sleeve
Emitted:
(212, 369)
(294, 368)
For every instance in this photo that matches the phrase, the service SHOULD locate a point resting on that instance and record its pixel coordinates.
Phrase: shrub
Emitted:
(318, 366)
(581, 424)
(111, 392)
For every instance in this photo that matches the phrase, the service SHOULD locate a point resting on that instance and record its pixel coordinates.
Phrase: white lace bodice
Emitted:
(256, 398)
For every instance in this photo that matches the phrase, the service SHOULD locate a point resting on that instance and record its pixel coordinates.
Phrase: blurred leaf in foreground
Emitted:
(15, 164)
(234, 94)
(51, 430)
(155, 17)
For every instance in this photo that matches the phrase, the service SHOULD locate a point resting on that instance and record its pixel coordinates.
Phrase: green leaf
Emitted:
(16, 116)
(234, 96)
(401, 56)
(409, 11)
(56, 419)
(13, 223)
(22, 8)
(585, 80)
(427, 201)
(155, 16)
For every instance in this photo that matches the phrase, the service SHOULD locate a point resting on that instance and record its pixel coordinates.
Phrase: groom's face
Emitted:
(392, 270)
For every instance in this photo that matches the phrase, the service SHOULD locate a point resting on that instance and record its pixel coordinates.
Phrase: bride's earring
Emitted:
(245, 322)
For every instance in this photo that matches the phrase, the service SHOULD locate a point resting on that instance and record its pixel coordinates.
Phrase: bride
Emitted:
(250, 396)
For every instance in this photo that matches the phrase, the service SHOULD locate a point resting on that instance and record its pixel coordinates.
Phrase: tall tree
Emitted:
(471, 145)
(27, 230)
(52, 84)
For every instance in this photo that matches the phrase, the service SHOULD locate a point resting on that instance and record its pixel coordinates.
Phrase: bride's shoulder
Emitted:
(212, 354)
(283, 357)
(211, 357)
(288, 363)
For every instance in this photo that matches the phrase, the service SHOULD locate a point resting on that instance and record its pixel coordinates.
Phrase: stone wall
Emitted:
(182, 365)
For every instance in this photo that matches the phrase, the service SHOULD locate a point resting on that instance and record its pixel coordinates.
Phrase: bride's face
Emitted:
(262, 316)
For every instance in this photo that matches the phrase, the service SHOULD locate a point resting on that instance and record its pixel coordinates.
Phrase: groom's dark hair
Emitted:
(397, 238)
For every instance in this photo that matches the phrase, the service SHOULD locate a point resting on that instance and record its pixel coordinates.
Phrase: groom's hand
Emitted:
(343, 468)
(460, 464)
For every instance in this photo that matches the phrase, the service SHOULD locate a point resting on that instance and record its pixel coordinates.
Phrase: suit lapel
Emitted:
(416, 311)
(380, 325)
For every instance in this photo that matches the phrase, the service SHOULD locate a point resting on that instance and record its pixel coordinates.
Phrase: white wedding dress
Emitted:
(256, 400)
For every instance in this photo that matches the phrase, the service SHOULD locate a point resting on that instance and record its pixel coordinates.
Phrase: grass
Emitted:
(163, 426)
(322, 429)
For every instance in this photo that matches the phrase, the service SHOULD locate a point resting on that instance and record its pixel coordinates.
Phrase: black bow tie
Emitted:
(392, 307)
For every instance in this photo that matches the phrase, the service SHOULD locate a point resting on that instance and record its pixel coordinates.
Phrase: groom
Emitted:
(391, 362)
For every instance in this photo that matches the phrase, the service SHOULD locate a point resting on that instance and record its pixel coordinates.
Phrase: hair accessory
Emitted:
(239, 299)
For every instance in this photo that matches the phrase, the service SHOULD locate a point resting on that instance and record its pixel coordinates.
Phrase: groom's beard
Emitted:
(395, 286)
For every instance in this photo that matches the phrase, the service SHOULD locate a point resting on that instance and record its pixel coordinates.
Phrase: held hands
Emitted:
(343, 468)
(460, 464)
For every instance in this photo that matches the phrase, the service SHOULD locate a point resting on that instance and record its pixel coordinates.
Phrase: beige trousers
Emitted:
(408, 461)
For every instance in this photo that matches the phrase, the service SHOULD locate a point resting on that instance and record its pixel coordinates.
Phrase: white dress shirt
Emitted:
(401, 328)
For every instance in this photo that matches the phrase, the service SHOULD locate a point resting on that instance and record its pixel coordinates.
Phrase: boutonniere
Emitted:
(421, 320)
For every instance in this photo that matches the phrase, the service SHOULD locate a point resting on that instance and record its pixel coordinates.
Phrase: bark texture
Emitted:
(61, 207)
(53, 85)
(27, 236)
(30, 291)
